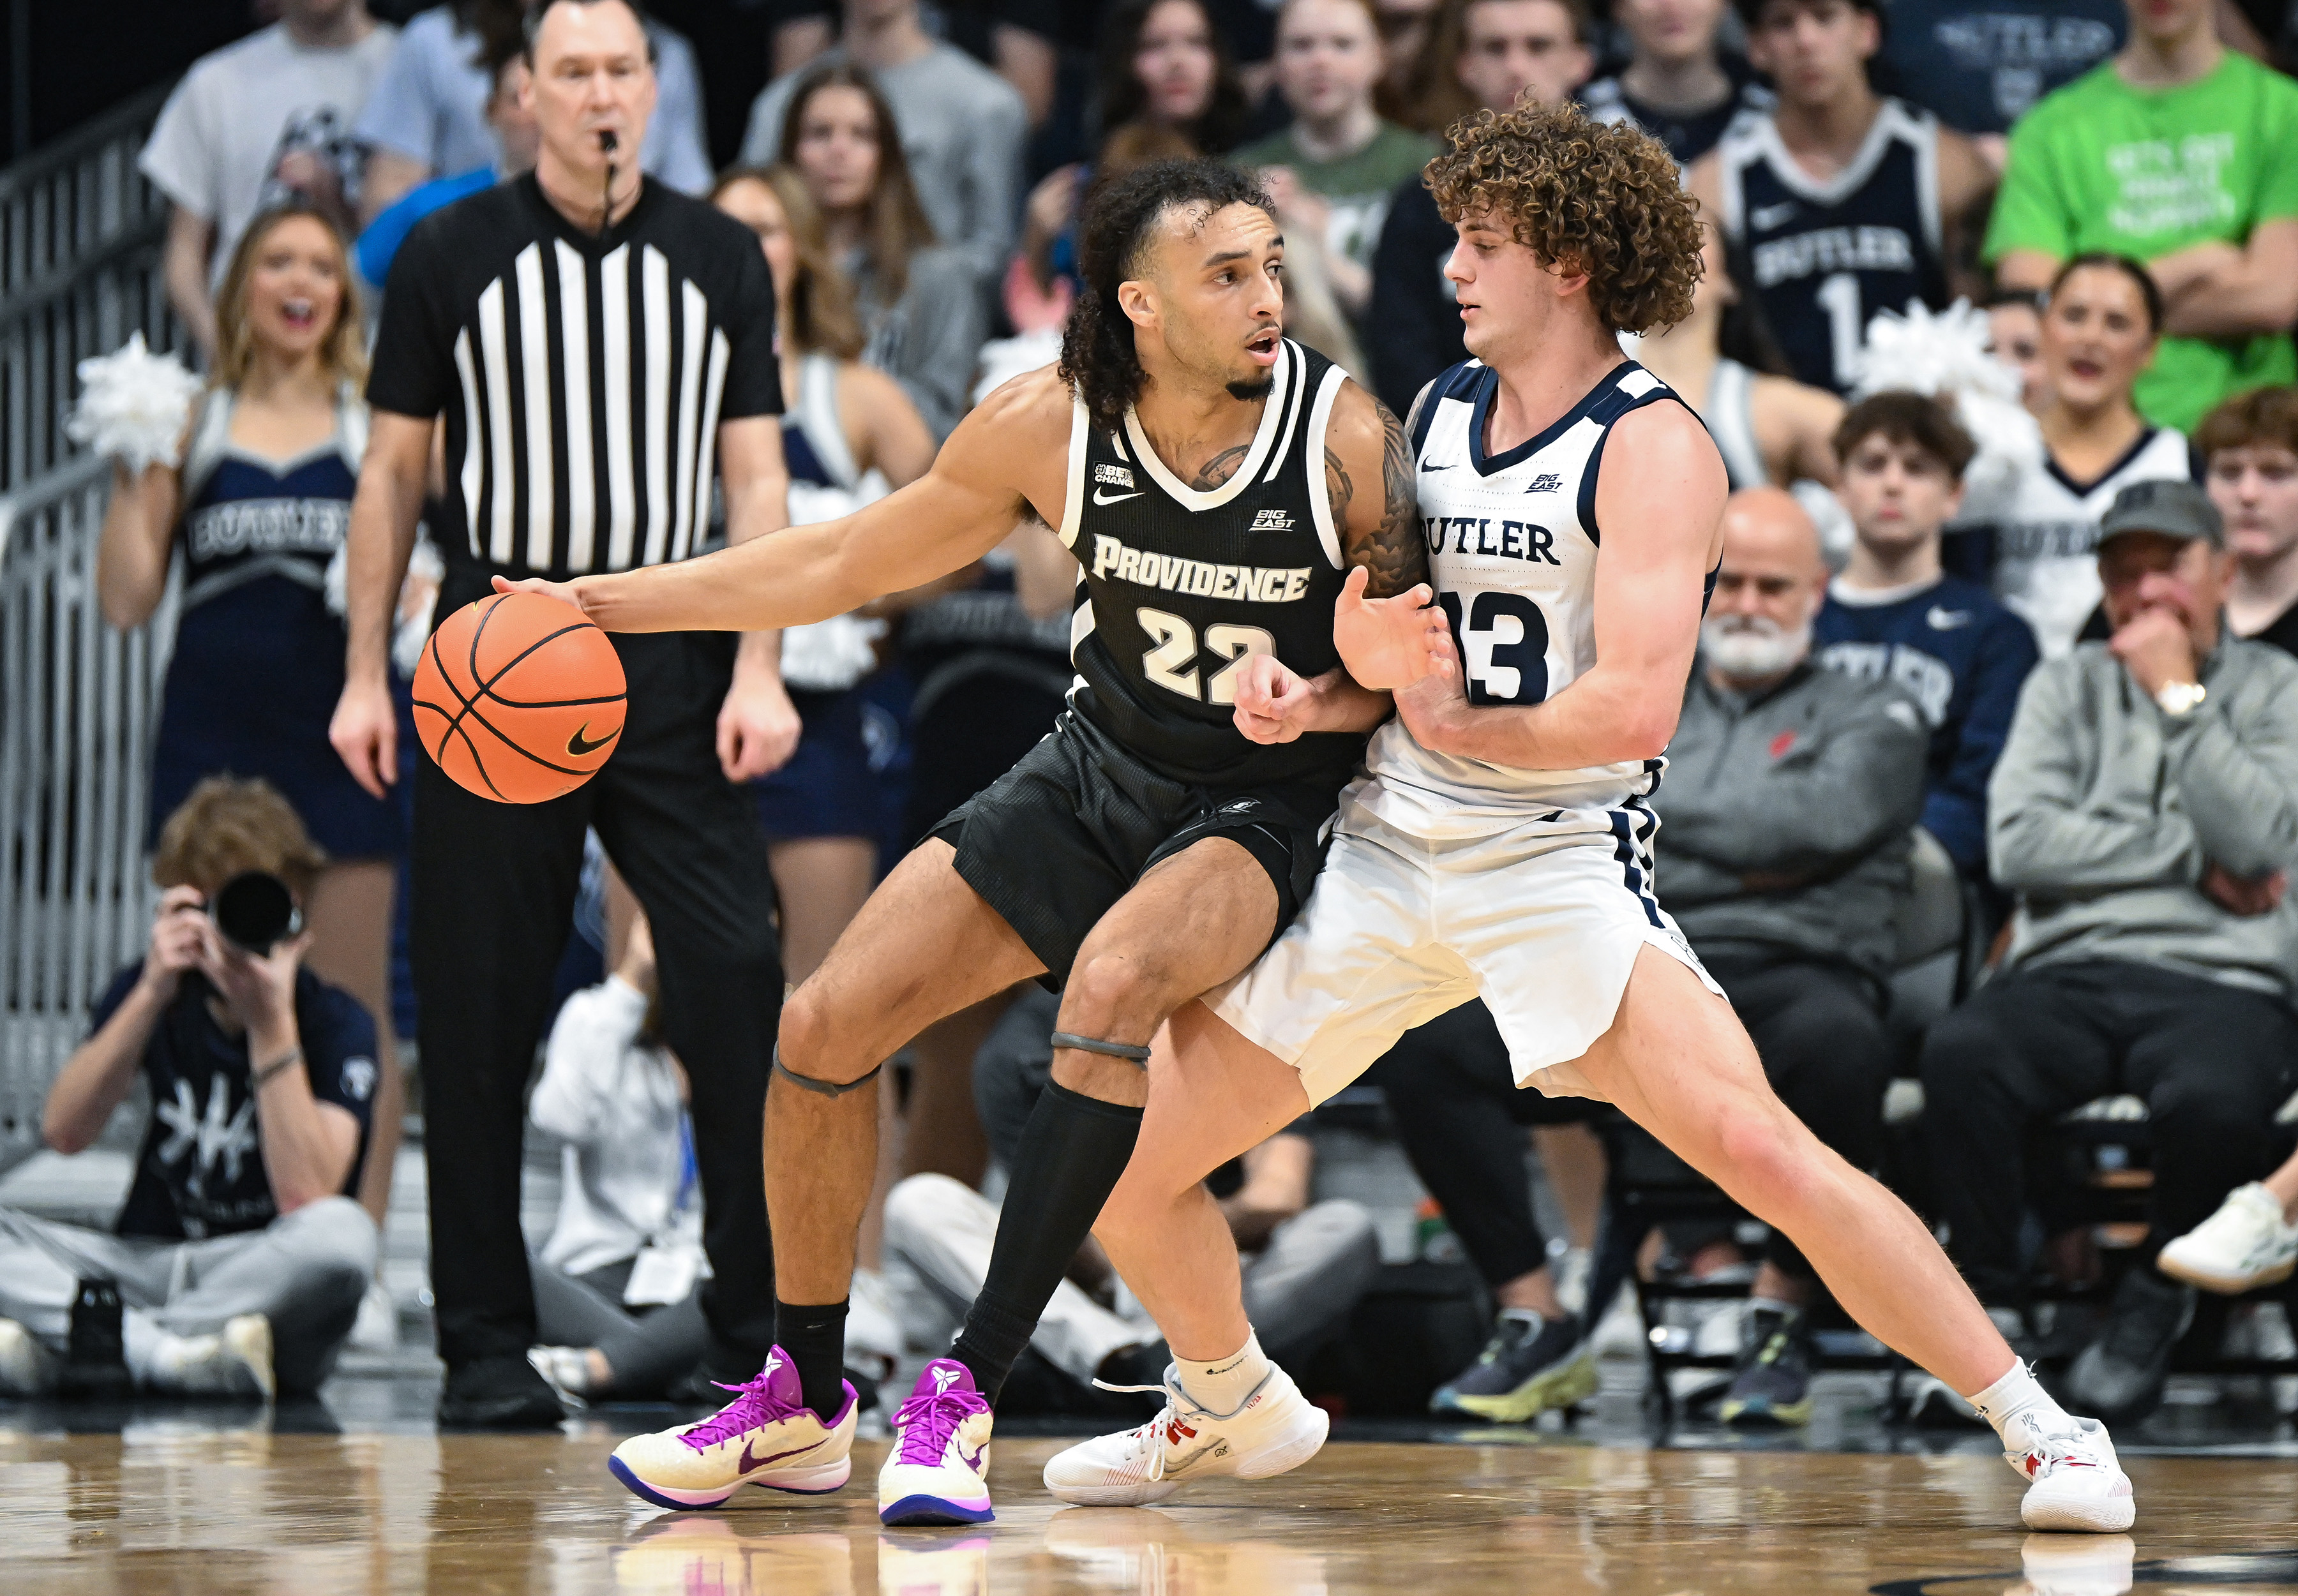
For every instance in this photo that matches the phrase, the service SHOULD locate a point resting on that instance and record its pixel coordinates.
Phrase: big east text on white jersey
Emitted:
(1512, 540)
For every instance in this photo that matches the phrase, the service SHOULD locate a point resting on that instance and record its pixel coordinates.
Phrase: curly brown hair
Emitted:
(1607, 200)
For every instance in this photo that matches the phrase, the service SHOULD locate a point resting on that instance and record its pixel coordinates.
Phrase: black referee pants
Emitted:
(494, 889)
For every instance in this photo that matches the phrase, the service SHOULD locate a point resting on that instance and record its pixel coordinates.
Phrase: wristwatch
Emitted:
(2180, 698)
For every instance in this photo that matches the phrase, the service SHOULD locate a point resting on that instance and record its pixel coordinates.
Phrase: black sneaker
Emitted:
(497, 1393)
(1530, 1365)
(2120, 1377)
(96, 1358)
(1772, 1383)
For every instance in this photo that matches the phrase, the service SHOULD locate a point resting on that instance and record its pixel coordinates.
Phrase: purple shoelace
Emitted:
(753, 1405)
(929, 1418)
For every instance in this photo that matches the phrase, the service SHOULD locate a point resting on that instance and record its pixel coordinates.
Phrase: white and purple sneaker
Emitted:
(766, 1437)
(937, 1472)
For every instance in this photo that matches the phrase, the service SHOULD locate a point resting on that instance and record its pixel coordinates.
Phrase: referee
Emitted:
(596, 343)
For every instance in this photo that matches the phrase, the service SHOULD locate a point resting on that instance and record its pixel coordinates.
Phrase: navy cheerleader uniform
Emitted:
(828, 789)
(259, 658)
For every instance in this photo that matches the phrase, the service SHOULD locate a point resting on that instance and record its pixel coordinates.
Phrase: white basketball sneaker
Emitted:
(1275, 1429)
(2245, 1244)
(938, 1470)
(766, 1437)
(2075, 1482)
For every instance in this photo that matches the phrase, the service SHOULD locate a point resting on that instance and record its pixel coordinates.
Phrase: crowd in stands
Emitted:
(2072, 708)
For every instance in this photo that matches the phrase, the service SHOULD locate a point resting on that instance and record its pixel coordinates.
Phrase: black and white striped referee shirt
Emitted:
(583, 379)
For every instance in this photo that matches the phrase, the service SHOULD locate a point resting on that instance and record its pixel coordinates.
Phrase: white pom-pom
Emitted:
(1944, 355)
(132, 405)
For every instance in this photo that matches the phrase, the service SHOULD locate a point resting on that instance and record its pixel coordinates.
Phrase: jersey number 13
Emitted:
(1503, 646)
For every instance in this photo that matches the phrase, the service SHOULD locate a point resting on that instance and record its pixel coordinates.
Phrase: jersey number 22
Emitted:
(1171, 662)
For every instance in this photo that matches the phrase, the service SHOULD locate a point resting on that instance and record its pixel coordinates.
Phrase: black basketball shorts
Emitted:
(1057, 840)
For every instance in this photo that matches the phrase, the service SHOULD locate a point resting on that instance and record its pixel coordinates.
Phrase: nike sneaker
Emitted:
(938, 1470)
(1275, 1429)
(2245, 1244)
(2074, 1482)
(766, 1437)
(1530, 1365)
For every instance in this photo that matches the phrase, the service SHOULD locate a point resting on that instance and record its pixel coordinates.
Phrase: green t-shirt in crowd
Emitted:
(1357, 186)
(2100, 165)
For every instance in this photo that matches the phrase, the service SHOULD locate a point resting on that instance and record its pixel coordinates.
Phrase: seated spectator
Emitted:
(1678, 86)
(2098, 334)
(1332, 170)
(958, 125)
(1980, 65)
(2146, 812)
(253, 125)
(1305, 1264)
(432, 115)
(1785, 831)
(1772, 429)
(257, 513)
(1481, 55)
(1169, 90)
(1461, 1120)
(849, 436)
(2249, 447)
(2183, 154)
(919, 304)
(1845, 203)
(2014, 329)
(1894, 614)
(517, 140)
(238, 1260)
(615, 1309)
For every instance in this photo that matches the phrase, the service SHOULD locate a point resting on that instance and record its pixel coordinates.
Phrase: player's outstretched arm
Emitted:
(1387, 631)
(1005, 458)
(1659, 508)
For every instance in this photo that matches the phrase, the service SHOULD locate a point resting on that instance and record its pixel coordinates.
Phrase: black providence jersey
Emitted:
(1827, 256)
(1177, 586)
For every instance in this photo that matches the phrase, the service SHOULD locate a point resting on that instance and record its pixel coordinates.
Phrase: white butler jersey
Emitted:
(1512, 541)
(2047, 545)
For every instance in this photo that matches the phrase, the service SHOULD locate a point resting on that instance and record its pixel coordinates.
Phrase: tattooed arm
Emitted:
(1388, 632)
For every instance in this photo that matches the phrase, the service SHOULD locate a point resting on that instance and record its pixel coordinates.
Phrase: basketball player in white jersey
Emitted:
(1499, 844)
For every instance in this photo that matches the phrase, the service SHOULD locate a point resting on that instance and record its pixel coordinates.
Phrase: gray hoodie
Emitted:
(1818, 782)
(2104, 812)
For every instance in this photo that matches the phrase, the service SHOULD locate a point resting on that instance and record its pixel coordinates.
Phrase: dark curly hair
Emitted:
(1606, 199)
(1098, 358)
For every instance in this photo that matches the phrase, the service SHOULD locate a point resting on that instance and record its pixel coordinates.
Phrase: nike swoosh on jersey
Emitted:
(1944, 620)
(749, 1462)
(1766, 217)
(1101, 495)
(579, 745)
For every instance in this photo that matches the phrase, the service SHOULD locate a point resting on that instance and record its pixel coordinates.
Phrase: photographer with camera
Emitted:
(240, 1256)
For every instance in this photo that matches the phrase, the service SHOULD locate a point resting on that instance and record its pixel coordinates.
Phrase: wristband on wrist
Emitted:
(262, 1077)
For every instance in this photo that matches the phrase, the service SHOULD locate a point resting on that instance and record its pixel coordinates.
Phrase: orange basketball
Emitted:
(518, 698)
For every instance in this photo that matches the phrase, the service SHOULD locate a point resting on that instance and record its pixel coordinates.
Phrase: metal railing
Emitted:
(80, 237)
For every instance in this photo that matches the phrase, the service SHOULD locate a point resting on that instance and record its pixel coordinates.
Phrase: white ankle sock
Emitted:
(1222, 1386)
(2021, 1410)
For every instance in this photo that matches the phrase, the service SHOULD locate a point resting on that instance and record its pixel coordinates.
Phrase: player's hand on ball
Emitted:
(564, 592)
(1271, 700)
(757, 726)
(1390, 643)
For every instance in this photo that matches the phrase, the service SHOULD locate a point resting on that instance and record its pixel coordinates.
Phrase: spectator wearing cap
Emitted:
(2145, 813)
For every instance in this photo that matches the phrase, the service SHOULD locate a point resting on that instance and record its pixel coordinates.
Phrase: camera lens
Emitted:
(254, 910)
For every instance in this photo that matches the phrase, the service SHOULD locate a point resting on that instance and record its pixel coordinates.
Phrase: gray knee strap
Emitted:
(1114, 1049)
(828, 1089)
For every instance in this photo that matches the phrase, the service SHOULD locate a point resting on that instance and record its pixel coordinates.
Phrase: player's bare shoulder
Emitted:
(1018, 437)
(1661, 468)
(1368, 482)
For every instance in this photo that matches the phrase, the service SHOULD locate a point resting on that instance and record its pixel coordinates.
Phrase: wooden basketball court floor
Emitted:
(188, 1509)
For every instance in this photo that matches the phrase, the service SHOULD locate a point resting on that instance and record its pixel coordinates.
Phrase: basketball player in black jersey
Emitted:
(1846, 203)
(1214, 482)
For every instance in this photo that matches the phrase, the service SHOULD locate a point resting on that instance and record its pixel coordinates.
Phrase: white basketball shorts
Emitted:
(1542, 921)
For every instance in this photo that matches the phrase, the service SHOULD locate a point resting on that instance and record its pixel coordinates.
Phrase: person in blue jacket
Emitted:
(516, 142)
(1894, 613)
